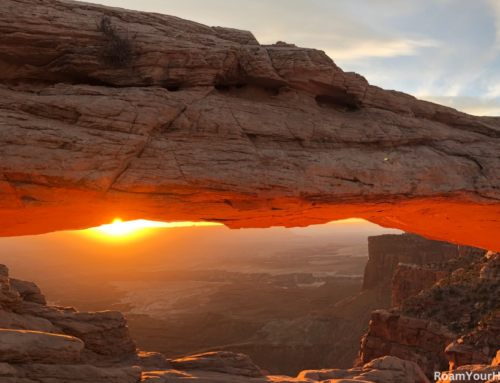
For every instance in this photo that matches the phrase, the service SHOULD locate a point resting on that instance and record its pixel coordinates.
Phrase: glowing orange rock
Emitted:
(206, 124)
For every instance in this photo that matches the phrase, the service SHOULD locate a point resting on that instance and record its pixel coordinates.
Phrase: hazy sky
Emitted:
(446, 51)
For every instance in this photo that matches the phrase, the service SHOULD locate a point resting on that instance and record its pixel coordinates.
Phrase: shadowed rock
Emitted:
(37, 347)
(221, 361)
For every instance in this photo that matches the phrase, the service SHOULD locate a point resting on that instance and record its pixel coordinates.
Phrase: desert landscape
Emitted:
(184, 202)
(215, 289)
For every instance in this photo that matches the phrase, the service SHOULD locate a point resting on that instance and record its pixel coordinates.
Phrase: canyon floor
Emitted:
(269, 294)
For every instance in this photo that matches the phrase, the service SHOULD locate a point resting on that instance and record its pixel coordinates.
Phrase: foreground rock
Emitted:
(471, 374)
(104, 333)
(201, 123)
(38, 347)
(227, 362)
(49, 357)
(387, 369)
(29, 373)
(420, 341)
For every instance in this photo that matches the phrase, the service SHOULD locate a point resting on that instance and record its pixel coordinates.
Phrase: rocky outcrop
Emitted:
(409, 280)
(471, 374)
(29, 373)
(222, 361)
(479, 346)
(192, 123)
(28, 291)
(104, 333)
(387, 369)
(24, 308)
(462, 304)
(385, 252)
(18, 346)
(416, 340)
(9, 299)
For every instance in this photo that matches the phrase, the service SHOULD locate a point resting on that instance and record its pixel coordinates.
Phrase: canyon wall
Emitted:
(417, 340)
(385, 252)
(444, 313)
(198, 123)
(409, 280)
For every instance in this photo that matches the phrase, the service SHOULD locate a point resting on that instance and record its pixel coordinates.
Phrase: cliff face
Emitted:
(412, 339)
(189, 122)
(385, 252)
(462, 305)
(409, 280)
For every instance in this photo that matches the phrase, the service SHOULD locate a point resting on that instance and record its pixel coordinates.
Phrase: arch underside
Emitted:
(206, 124)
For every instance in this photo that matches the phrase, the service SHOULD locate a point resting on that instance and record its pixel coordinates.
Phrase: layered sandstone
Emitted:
(463, 304)
(204, 123)
(385, 252)
(409, 280)
(386, 369)
(412, 339)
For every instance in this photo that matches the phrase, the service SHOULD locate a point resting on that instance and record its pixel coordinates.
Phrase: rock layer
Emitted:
(205, 123)
(409, 280)
(38, 347)
(416, 340)
(385, 252)
(387, 369)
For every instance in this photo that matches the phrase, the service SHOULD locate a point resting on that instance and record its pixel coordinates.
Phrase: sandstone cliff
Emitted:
(189, 122)
(417, 340)
(409, 280)
(385, 252)
(457, 315)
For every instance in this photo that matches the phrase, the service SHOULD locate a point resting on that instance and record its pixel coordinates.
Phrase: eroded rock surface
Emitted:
(385, 252)
(203, 123)
(416, 340)
(387, 369)
(462, 308)
(38, 347)
(409, 280)
(222, 361)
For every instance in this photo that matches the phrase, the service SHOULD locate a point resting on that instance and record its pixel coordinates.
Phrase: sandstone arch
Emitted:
(248, 135)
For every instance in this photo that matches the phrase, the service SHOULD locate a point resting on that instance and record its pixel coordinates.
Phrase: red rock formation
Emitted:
(200, 123)
(409, 280)
(386, 369)
(463, 304)
(385, 252)
(416, 340)
(221, 361)
(103, 333)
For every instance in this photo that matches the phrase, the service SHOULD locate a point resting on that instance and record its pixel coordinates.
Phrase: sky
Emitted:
(115, 247)
(444, 51)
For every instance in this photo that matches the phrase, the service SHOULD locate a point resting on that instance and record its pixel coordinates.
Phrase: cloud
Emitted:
(363, 49)
(472, 105)
(349, 30)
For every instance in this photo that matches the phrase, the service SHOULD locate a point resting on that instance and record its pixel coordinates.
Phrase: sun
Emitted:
(118, 227)
(123, 231)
